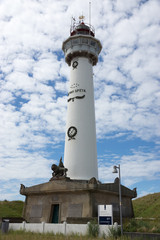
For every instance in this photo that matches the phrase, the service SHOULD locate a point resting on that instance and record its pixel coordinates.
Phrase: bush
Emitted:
(142, 225)
(93, 229)
(131, 226)
(114, 233)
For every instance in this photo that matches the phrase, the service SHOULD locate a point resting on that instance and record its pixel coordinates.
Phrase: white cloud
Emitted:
(130, 100)
(136, 167)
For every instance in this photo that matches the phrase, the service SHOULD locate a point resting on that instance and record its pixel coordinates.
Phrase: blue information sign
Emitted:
(104, 220)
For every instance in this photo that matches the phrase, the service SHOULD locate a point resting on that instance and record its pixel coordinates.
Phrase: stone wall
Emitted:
(68, 199)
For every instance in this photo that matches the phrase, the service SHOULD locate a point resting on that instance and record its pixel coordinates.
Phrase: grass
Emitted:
(11, 208)
(147, 206)
(147, 209)
(142, 225)
(21, 235)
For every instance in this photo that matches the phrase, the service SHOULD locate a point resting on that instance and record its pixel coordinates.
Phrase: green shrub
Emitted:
(93, 229)
(131, 226)
(142, 225)
(114, 233)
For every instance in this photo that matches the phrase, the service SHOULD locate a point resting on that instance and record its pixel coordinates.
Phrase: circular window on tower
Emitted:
(72, 131)
(74, 64)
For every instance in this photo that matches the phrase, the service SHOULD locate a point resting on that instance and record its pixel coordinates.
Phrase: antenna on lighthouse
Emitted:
(90, 13)
(73, 23)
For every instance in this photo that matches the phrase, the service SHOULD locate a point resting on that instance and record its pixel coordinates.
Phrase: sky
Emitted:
(34, 80)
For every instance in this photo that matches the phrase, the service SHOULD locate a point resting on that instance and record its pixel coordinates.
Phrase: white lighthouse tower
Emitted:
(81, 51)
(76, 199)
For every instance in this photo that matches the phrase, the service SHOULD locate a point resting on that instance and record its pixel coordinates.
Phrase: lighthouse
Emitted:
(81, 52)
(75, 198)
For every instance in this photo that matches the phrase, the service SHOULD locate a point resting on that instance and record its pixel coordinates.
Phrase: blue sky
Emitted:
(34, 84)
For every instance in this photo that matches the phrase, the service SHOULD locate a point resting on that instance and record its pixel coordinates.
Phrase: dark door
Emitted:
(55, 213)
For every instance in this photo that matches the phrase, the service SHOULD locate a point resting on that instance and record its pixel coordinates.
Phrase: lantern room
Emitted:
(83, 29)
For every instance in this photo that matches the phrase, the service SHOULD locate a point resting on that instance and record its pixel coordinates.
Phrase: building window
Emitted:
(93, 43)
(75, 41)
(68, 45)
(84, 40)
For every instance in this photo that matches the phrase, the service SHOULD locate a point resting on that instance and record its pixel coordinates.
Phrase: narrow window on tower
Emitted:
(75, 41)
(84, 40)
(68, 45)
(93, 43)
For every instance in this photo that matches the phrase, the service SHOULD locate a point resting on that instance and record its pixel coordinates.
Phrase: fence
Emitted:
(63, 228)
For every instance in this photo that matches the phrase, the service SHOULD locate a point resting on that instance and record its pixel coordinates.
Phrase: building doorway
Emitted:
(55, 213)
